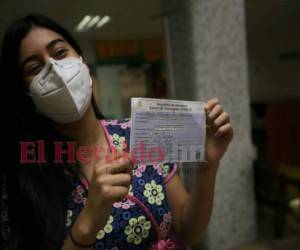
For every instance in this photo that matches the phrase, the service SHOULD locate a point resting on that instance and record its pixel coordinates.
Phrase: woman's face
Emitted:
(37, 47)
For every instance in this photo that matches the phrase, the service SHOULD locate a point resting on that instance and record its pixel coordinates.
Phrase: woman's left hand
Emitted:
(219, 131)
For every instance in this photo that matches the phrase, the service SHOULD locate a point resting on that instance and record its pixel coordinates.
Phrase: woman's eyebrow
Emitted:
(49, 46)
(54, 42)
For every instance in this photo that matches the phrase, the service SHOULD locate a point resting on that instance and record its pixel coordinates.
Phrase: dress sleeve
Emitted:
(169, 170)
(4, 227)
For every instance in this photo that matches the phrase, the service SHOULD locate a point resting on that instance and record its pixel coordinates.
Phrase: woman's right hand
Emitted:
(110, 183)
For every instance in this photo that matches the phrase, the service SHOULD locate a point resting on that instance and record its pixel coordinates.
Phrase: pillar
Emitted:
(207, 58)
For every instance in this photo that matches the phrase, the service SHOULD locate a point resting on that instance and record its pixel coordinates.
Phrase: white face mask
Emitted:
(62, 90)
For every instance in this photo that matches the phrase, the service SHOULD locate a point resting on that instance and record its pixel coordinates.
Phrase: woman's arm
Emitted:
(86, 228)
(110, 183)
(191, 212)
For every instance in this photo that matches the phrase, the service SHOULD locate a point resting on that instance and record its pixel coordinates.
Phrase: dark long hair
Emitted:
(37, 194)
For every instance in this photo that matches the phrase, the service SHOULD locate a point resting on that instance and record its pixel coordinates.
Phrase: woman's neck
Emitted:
(86, 132)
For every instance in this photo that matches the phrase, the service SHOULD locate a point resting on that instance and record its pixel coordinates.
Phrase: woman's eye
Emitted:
(34, 70)
(60, 53)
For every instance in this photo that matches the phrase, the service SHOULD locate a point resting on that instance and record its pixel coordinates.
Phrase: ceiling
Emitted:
(130, 18)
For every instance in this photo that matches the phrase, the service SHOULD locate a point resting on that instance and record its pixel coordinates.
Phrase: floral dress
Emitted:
(143, 219)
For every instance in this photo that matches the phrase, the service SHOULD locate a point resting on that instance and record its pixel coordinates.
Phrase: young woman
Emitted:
(92, 202)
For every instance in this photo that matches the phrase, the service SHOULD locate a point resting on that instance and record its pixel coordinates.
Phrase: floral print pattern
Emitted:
(137, 230)
(154, 193)
(106, 230)
(126, 204)
(166, 224)
(128, 227)
(69, 217)
(78, 195)
(119, 141)
(139, 169)
(165, 169)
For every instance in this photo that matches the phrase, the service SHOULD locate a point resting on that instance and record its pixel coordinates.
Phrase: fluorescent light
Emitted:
(81, 26)
(103, 21)
(94, 20)
(89, 22)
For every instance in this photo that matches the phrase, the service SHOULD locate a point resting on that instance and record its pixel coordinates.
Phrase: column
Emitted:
(207, 57)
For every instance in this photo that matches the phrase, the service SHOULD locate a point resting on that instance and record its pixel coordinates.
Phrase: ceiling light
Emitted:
(94, 20)
(81, 26)
(103, 21)
(89, 22)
